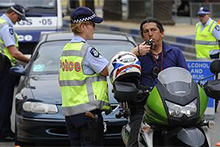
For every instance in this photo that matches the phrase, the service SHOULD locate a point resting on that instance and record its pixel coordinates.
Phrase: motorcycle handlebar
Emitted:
(199, 82)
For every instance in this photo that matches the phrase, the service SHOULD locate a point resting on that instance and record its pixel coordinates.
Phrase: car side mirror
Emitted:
(17, 70)
(124, 91)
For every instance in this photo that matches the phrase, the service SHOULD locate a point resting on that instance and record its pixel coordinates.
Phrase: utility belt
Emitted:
(93, 130)
(4, 61)
(214, 54)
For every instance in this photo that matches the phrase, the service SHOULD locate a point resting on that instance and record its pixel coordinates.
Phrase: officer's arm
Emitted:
(17, 54)
(216, 33)
(104, 72)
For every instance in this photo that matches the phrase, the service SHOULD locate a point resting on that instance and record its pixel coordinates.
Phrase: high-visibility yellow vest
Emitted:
(205, 42)
(3, 49)
(80, 92)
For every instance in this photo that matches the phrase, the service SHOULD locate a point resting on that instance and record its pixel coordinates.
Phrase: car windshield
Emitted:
(47, 60)
(32, 7)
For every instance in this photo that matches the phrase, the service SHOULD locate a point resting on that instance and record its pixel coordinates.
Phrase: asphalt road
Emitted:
(215, 132)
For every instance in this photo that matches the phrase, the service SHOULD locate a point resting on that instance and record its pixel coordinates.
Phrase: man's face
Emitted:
(203, 18)
(151, 31)
(15, 17)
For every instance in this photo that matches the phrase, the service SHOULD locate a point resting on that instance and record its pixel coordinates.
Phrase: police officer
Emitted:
(83, 82)
(9, 54)
(207, 42)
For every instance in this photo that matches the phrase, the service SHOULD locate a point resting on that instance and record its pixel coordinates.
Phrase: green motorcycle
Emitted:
(174, 110)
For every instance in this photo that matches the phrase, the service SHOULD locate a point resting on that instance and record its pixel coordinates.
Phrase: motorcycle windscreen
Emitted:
(177, 80)
(191, 136)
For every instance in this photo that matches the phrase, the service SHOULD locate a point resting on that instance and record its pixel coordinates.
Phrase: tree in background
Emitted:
(90, 4)
(139, 9)
(136, 9)
(112, 10)
(162, 10)
(74, 3)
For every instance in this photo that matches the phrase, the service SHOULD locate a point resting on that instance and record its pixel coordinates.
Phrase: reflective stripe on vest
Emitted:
(80, 92)
(4, 49)
(205, 42)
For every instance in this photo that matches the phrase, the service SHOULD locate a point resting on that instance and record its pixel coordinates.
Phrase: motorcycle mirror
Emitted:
(212, 89)
(215, 67)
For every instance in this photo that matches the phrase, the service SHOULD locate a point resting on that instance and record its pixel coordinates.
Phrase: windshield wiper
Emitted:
(37, 7)
(4, 7)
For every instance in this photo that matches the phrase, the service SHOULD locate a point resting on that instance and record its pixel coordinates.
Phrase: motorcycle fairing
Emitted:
(154, 109)
(207, 135)
(191, 92)
(191, 136)
(176, 85)
(203, 101)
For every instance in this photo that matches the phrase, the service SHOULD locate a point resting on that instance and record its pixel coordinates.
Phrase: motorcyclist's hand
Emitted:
(143, 49)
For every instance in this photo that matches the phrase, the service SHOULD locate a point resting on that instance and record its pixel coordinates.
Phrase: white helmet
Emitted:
(124, 65)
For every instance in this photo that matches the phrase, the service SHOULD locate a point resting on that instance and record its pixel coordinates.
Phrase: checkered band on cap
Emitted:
(84, 19)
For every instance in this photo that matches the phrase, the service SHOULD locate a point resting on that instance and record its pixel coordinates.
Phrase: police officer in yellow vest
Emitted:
(83, 82)
(9, 56)
(207, 41)
(207, 36)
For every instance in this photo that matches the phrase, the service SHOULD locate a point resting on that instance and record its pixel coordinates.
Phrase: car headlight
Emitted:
(178, 111)
(38, 107)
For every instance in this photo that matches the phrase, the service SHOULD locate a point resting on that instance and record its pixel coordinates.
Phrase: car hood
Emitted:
(46, 88)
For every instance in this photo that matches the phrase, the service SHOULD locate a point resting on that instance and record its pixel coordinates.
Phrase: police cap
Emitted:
(82, 14)
(19, 10)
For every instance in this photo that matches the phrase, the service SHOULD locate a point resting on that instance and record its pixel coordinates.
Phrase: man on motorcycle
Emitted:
(154, 55)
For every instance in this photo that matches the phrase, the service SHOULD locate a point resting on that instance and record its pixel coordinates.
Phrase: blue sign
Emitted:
(29, 36)
(200, 70)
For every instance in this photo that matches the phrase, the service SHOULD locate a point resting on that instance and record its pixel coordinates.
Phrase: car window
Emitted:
(47, 60)
(110, 48)
(33, 8)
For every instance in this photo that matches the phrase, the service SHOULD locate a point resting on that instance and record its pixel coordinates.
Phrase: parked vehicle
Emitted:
(42, 16)
(38, 99)
(174, 109)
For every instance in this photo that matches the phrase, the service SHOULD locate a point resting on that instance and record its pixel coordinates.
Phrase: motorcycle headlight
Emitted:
(178, 111)
(38, 107)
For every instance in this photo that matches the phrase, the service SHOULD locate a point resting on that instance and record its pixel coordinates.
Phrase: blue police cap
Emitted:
(82, 14)
(203, 11)
(19, 10)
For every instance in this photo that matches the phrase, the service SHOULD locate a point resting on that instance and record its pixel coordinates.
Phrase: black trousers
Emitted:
(7, 84)
(137, 112)
(85, 131)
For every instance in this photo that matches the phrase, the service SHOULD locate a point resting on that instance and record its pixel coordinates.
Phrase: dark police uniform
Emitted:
(7, 80)
(8, 38)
